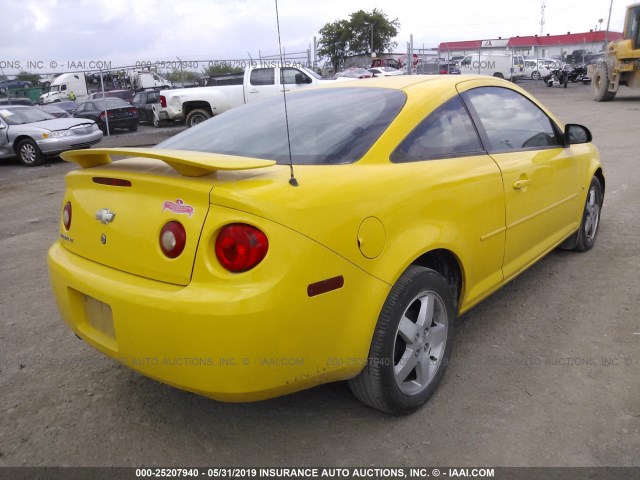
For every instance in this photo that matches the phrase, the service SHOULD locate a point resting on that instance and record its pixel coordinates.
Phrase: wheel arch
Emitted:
(600, 176)
(188, 106)
(447, 264)
(17, 141)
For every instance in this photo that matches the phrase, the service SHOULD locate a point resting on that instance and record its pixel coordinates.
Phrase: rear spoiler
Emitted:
(186, 162)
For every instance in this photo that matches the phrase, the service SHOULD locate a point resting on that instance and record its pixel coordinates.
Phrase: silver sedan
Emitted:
(32, 135)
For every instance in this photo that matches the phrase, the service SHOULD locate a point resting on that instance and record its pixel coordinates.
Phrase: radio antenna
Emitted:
(292, 180)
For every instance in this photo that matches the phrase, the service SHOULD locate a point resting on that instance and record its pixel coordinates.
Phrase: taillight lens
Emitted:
(241, 247)
(66, 215)
(173, 238)
(163, 101)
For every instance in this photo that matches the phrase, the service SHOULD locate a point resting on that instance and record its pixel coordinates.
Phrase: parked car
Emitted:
(120, 114)
(337, 240)
(126, 95)
(54, 110)
(549, 63)
(68, 106)
(143, 101)
(535, 70)
(385, 72)
(355, 72)
(16, 101)
(13, 84)
(32, 135)
(259, 81)
(437, 68)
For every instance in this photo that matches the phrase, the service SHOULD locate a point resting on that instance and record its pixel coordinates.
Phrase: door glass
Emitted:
(289, 75)
(262, 76)
(511, 121)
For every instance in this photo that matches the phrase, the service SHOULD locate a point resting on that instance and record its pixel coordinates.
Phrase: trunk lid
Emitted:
(119, 209)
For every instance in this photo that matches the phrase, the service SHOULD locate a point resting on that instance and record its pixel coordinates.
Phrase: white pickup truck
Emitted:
(195, 105)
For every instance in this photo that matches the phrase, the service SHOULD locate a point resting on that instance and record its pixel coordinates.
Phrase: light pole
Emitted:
(606, 33)
(370, 25)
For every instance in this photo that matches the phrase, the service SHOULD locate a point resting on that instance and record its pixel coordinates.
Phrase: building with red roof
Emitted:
(540, 46)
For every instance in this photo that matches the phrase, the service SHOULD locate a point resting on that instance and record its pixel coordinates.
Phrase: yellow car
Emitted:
(333, 237)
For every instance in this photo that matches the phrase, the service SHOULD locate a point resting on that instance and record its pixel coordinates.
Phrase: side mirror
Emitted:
(575, 134)
(2, 126)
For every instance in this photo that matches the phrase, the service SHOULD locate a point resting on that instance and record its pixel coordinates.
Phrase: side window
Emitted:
(63, 87)
(466, 61)
(80, 108)
(154, 97)
(262, 76)
(137, 98)
(289, 75)
(448, 131)
(511, 121)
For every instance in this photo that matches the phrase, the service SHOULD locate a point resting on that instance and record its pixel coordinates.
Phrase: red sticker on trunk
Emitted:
(178, 207)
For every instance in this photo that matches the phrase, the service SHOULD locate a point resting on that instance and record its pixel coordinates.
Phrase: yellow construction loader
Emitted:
(621, 64)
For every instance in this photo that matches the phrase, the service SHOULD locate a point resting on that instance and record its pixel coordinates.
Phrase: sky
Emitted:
(38, 35)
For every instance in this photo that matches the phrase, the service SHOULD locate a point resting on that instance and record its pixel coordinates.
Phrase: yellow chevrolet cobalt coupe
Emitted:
(267, 250)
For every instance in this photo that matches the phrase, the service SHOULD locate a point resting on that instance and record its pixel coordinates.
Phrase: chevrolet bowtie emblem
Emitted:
(105, 216)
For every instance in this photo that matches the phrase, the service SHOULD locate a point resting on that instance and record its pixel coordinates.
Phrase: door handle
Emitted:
(253, 91)
(284, 90)
(518, 184)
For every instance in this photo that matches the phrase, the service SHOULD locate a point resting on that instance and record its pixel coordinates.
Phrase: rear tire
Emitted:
(498, 75)
(197, 116)
(535, 75)
(600, 83)
(133, 128)
(29, 153)
(411, 344)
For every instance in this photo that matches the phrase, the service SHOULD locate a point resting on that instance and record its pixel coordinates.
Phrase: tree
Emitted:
(364, 32)
(368, 26)
(28, 77)
(220, 69)
(334, 42)
(177, 76)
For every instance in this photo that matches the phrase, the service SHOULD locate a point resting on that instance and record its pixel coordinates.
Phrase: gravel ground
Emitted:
(546, 372)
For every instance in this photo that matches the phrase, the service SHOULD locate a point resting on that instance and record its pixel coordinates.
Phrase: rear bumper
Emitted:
(120, 123)
(257, 339)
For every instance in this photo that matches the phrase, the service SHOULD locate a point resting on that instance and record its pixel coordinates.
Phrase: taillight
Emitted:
(66, 215)
(241, 247)
(133, 110)
(163, 101)
(173, 238)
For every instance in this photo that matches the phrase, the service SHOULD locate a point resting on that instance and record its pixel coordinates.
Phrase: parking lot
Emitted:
(546, 372)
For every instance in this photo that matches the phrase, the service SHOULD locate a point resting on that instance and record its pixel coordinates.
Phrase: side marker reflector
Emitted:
(325, 286)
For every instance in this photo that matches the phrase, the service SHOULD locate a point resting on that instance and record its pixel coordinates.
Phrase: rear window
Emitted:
(326, 126)
(112, 102)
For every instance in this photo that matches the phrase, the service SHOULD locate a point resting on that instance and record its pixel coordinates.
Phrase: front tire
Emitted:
(29, 153)
(197, 116)
(586, 236)
(600, 83)
(535, 75)
(411, 344)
